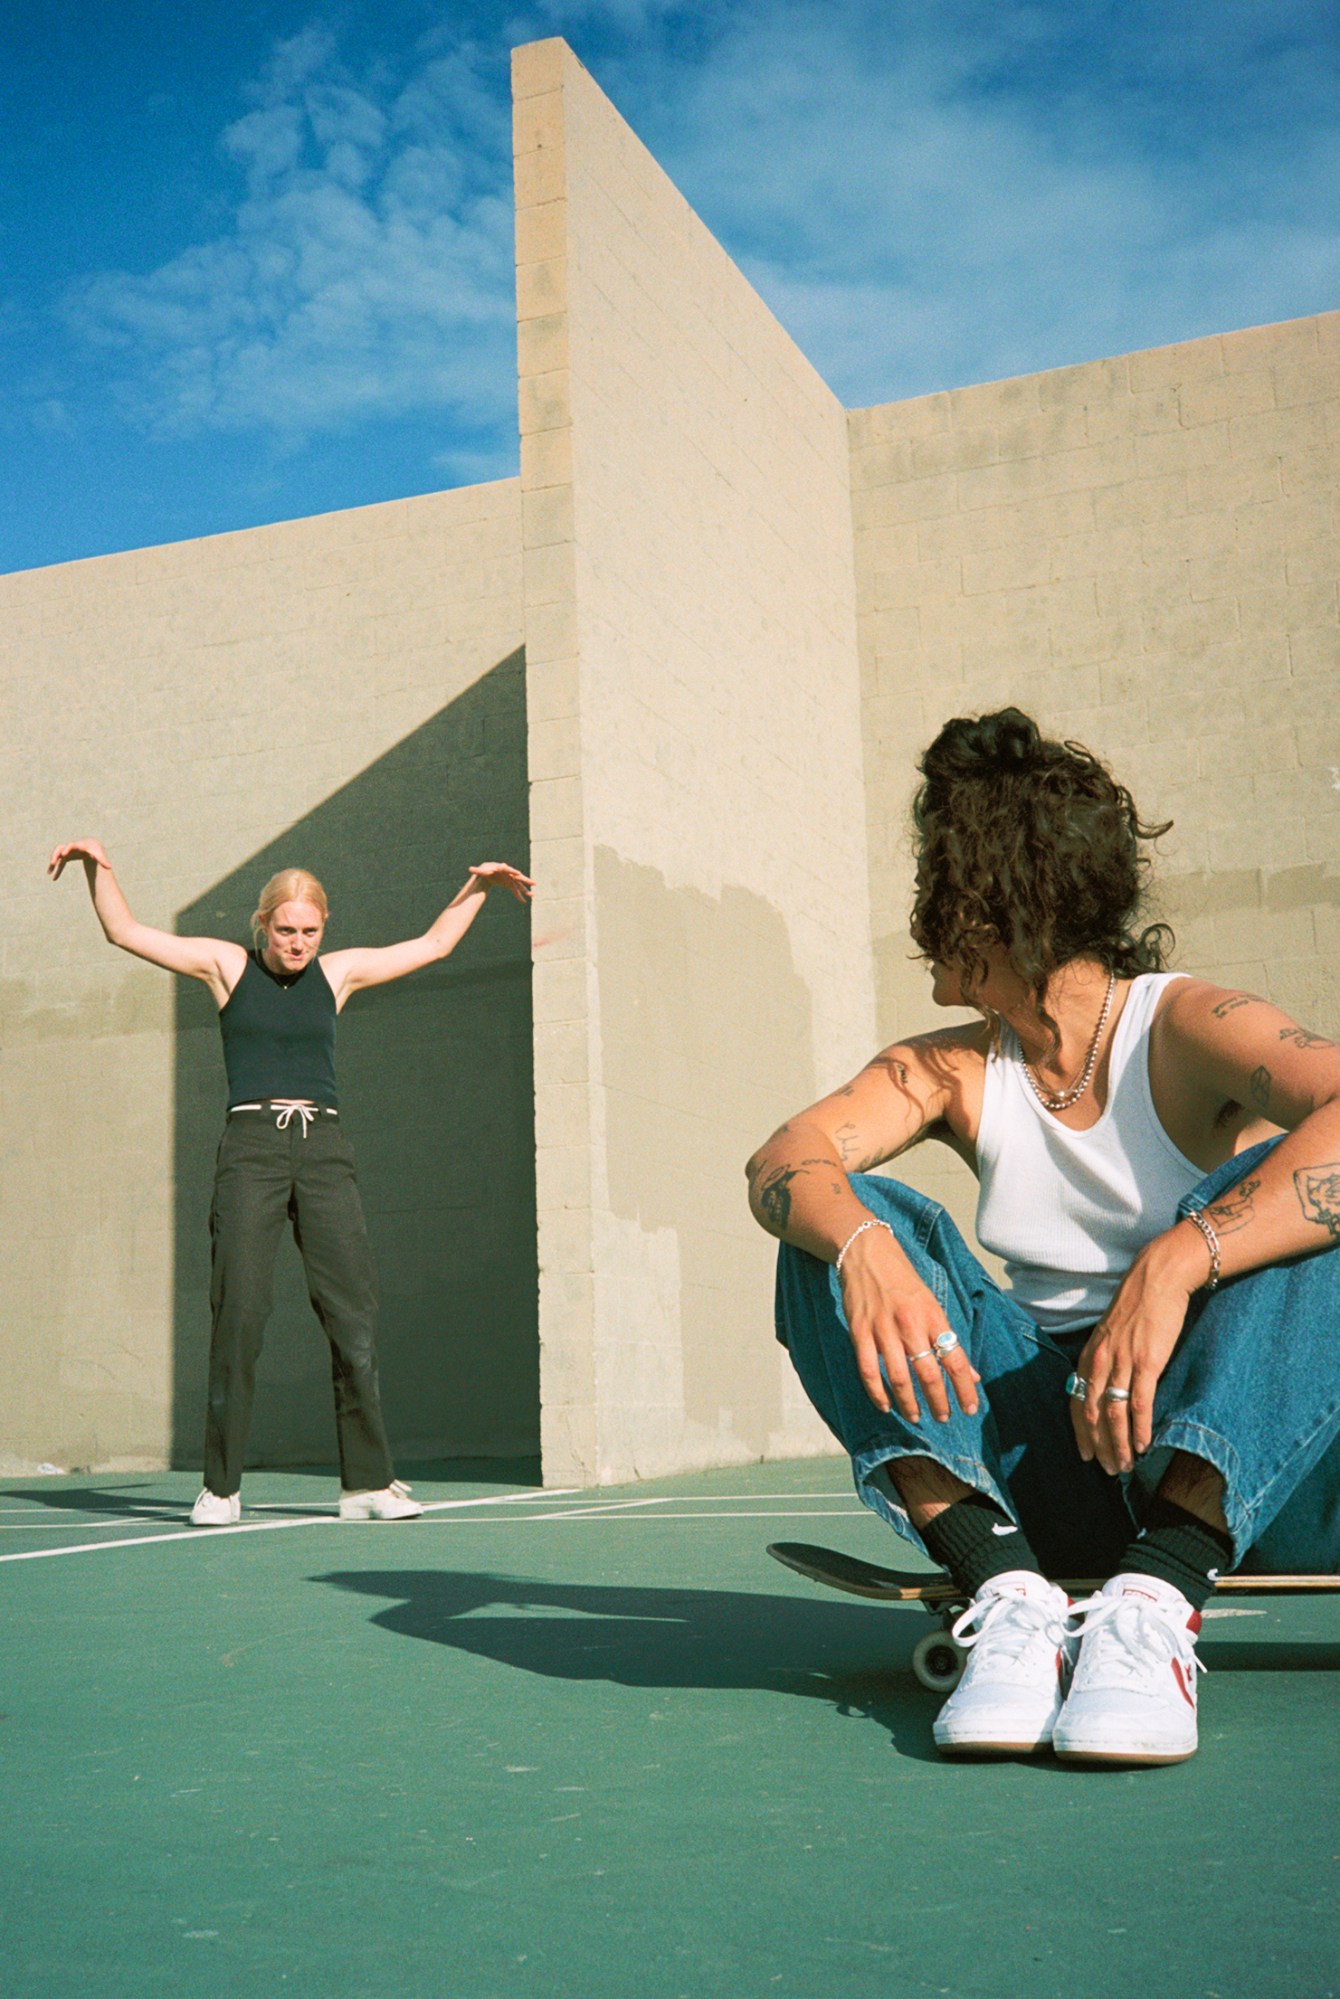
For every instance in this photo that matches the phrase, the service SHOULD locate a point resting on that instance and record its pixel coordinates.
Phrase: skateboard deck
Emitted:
(868, 1579)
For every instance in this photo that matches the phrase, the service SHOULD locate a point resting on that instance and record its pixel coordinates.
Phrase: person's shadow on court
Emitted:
(851, 1655)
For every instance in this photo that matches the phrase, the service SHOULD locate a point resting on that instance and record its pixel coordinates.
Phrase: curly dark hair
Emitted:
(1031, 844)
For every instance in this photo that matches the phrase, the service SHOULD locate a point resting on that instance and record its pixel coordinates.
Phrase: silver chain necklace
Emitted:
(1063, 1099)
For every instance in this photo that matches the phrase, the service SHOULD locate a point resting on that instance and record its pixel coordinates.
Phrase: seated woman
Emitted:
(1156, 1397)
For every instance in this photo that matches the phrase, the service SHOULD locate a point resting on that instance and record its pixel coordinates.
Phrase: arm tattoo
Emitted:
(1227, 1006)
(1319, 1196)
(1259, 1086)
(1302, 1038)
(1235, 1210)
(774, 1198)
(846, 1136)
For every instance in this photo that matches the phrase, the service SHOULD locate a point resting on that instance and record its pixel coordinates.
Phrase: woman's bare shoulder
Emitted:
(940, 1052)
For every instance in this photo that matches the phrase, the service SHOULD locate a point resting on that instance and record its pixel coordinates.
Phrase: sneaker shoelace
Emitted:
(1125, 1637)
(1012, 1623)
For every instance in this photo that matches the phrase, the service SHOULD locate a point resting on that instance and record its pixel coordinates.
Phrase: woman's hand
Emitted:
(896, 1319)
(76, 850)
(497, 874)
(1131, 1346)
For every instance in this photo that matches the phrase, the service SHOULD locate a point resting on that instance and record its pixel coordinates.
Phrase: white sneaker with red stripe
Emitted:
(1133, 1697)
(1019, 1657)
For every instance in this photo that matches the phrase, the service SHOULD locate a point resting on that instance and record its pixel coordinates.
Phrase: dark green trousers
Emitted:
(272, 1172)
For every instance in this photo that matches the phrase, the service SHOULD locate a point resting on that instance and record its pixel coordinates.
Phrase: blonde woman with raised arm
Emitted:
(283, 1158)
(1155, 1397)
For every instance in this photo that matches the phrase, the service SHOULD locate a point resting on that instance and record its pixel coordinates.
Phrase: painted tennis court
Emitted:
(593, 1744)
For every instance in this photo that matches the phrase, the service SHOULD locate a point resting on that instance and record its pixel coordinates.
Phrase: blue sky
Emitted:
(255, 258)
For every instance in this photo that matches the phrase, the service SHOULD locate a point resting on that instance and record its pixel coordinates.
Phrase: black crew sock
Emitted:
(974, 1540)
(1180, 1549)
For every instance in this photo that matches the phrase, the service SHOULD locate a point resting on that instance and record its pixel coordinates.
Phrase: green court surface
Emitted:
(596, 1745)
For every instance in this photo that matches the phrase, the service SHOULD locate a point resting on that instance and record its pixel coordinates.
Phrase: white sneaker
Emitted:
(1018, 1667)
(1133, 1697)
(212, 1511)
(391, 1503)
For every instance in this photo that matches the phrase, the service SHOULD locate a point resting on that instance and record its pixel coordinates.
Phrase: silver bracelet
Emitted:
(873, 1223)
(1200, 1220)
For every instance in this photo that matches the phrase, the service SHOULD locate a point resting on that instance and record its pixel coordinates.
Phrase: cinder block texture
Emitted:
(1142, 552)
(698, 553)
(343, 693)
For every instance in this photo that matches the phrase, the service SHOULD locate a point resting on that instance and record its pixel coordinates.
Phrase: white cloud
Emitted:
(925, 194)
(367, 271)
(937, 195)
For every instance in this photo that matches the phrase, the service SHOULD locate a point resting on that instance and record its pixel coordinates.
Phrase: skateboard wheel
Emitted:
(937, 1662)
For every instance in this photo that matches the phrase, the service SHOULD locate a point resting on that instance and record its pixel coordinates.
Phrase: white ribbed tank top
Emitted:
(1066, 1211)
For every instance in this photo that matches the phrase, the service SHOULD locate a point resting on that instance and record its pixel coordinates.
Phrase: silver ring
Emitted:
(1077, 1388)
(925, 1354)
(1116, 1395)
(946, 1343)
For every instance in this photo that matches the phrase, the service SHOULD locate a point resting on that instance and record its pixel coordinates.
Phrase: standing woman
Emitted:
(284, 1158)
(1156, 1396)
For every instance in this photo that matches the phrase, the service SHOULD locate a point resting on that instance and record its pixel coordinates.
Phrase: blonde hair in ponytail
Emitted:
(289, 885)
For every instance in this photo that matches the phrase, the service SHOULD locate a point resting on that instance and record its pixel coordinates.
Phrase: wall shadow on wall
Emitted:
(436, 1092)
(708, 1045)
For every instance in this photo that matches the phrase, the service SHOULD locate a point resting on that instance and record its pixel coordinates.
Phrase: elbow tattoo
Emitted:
(771, 1195)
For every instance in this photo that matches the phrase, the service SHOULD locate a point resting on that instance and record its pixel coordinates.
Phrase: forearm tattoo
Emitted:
(1319, 1196)
(1259, 1085)
(1236, 1208)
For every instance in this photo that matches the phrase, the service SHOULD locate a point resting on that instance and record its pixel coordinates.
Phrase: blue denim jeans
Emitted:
(1253, 1387)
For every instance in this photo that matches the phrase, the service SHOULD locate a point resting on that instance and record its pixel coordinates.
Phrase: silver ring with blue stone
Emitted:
(946, 1343)
(1077, 1388)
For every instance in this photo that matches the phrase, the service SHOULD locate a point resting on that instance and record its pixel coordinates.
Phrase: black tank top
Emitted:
(279, 1035)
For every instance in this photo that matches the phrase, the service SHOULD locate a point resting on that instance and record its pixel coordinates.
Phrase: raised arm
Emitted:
(349, 971)
(799, 1191)
(214, 960)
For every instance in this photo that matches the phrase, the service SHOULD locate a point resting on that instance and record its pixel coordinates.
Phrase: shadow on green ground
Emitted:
(127, 1500)
(619, 1759)
(712, 1640)
(708, 1639)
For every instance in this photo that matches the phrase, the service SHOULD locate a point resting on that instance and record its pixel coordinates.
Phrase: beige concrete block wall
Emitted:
(192, 705)
(696, 765)
(1143, 553)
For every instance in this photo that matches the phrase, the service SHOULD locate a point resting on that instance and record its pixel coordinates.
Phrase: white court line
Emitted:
(84, 1526)
(267, 1526)
(593, 1513)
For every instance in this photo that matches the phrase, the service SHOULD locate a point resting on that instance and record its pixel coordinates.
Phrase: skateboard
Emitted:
(937, 1659)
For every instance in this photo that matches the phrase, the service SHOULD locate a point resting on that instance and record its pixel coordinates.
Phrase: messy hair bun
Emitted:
(1034, 845)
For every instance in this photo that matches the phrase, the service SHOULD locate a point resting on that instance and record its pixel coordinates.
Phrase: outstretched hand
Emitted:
(497, 874)
(76, 850)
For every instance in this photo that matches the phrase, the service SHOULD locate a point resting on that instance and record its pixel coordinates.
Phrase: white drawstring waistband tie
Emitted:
(286, 1116)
